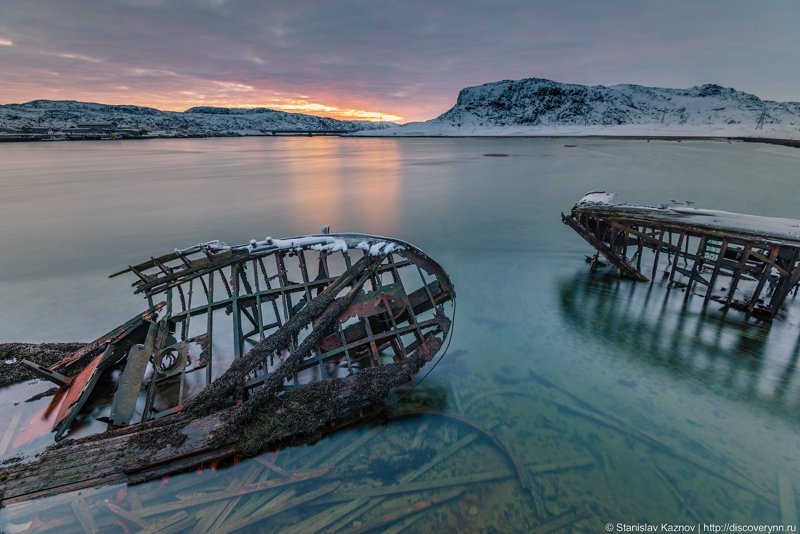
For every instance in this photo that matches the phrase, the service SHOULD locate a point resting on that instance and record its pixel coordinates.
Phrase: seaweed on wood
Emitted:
(249, 347)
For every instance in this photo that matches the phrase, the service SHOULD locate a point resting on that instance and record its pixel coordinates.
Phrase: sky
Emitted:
(396, 60)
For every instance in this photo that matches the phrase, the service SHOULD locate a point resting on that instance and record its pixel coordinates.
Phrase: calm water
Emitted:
(619, 404)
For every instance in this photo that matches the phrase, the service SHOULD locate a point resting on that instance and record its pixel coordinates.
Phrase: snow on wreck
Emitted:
(242, 348)
(746, 262)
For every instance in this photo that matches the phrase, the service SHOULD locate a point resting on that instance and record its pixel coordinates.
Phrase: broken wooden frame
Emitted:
(742, 261)
(218, 301)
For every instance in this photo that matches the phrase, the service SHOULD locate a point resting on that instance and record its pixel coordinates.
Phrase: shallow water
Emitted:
(618, 401)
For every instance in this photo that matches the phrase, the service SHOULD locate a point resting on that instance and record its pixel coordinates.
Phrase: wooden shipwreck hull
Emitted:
(252, 346)
(746, 262)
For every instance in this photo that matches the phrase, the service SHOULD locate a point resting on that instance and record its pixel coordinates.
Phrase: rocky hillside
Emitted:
(537, 105)
(60, 114)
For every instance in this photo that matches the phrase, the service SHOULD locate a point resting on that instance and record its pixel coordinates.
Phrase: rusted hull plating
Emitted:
(744, 262)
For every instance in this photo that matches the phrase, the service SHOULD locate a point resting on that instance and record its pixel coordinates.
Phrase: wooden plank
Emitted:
(275, 507)
(583, 409)
(415, 508)
(773, 255)
(416, 487)
(238, 492)
(318, 522)
(124, 514)
(697, 265)
(78, 393)
(675, 258)
(115, 335)
(130, 383)
(787, 284)
(258, 502)
(402, 525)
(659, 246)
(180, 463)
(271, 466)
(525, 478)
(217, 513)
(43, 372)
(738, 272)
(610, 255)
(164, 524)
(717, 264)
(83, 514)
(561, 465)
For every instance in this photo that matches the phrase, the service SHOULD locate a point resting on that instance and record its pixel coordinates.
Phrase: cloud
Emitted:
(79, 57)
(407, 58)
(6, 42)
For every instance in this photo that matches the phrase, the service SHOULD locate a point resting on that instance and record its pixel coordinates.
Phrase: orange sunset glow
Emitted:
(189, 93)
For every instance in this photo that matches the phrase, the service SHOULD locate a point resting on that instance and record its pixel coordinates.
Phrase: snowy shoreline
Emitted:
(628, 131)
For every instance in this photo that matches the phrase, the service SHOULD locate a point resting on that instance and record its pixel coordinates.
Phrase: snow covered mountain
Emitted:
(61, 114)
(537, 106)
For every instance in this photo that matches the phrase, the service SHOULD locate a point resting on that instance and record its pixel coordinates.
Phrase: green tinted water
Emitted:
(577, 399)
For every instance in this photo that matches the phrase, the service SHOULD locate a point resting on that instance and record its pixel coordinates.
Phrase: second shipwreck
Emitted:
(746, 262)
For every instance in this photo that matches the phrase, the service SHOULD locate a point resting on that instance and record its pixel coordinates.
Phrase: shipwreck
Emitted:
(242, 349)
(746, 262)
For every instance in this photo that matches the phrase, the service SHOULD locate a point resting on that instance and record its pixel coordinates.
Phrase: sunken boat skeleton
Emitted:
(745, 262)
(242, 348)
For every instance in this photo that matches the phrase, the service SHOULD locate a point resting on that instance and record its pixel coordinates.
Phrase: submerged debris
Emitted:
(745, 262)
(253, 346)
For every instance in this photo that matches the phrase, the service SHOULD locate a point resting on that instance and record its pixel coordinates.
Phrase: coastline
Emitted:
(781, 141)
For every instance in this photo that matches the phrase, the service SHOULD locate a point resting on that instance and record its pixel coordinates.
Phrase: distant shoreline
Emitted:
(767, 140)
(795, 143)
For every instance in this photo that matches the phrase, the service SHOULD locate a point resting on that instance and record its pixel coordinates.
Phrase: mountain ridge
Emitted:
(200, 120)
(533, 106)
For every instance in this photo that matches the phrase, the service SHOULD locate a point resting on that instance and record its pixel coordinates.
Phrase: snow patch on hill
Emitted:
(61, 114)
(537, 106)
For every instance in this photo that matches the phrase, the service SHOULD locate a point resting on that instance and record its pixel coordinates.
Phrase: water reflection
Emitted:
(346, 182)
(733, 355)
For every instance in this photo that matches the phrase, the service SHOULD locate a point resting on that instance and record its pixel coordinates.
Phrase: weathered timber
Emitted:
(131, 380)
(759, 256)
(416, 487)
(125, 514)
(346, 513)
(578, 407)
(274, 508)
(177, 442)
(327, 347)
(417, 507)
(84, 514)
